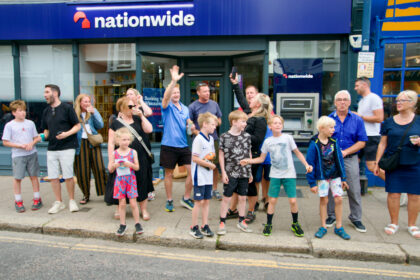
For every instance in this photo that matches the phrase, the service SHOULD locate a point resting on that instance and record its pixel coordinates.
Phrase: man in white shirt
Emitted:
(371, 110)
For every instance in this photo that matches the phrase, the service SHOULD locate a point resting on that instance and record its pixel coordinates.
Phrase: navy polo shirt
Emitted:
(350, 131)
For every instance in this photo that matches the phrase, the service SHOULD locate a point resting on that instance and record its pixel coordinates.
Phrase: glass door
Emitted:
(214, 83)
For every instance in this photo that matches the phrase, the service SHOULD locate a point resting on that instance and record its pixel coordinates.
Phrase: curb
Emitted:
(359, 251)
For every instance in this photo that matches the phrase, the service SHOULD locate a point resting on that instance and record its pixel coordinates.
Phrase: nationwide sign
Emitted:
(73, 20)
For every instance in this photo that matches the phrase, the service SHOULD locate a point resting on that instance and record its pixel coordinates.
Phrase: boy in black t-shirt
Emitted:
(328, 174)
(60, 125)
(235, 145)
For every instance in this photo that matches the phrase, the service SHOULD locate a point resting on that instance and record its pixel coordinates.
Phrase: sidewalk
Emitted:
(172, 229)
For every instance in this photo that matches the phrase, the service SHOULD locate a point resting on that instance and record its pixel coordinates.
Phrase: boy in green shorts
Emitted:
(280, 147)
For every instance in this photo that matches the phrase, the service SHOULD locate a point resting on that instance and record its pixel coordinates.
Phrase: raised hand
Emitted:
(175, 75)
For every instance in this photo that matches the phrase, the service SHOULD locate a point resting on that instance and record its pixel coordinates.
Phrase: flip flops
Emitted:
(391, 229)
(414, 232)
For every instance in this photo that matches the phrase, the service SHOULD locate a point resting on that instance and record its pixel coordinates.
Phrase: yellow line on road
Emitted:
(208, 259)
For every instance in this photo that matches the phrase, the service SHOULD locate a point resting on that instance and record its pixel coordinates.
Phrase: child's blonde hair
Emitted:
(237, 115)
(17, 104)
(271, 119)
(123, 131)
(325, 121)
(205, 118)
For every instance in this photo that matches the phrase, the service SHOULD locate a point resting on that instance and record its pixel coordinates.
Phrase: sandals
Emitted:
(414, 232)
(391, 229)
(84, 200)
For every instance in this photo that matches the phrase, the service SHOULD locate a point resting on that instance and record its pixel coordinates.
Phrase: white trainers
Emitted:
(57, 207)
(73, 206)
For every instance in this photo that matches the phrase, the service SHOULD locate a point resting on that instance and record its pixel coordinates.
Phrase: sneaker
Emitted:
(243, 226)
(359, 226)
(232, 214)
(187, 203)
(257, 205)
(151, 196)
(250, 217)
(216, 194)
(207, 231)
(169, 206)
(57, 207)
(139, 229)
(37, 204)
(121, 231)
(73, 206)
(19, 206)
(330, 222)
(267, 229)
(196, 233)
(297, 229)
(341, 232)
(321, 232)
(222, 229)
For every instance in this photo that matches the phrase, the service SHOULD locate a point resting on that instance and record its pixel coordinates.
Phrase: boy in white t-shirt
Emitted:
(280, 147)
(202, 173)
(20, 134)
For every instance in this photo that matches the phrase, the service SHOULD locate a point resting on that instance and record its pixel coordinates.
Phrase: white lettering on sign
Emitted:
(124, 21)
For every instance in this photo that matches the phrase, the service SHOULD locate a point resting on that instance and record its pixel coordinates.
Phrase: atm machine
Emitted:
(300, 112)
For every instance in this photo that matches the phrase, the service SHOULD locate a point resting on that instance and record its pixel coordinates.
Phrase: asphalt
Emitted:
(95, 220)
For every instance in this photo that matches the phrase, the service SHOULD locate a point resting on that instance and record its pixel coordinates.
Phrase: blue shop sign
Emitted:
(184, 18)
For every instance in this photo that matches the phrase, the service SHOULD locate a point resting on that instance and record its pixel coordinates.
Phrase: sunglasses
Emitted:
(131, 106)
(53, 111)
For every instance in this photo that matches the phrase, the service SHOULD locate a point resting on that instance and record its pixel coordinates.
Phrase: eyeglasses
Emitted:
(402, 100)
(342, 99)
(131, 106)
(53, 111)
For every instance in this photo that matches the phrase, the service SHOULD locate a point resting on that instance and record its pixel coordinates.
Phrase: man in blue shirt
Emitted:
(351, 136)
(174, 147)
(203, 105)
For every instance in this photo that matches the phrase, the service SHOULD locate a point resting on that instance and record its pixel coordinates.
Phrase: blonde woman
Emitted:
(88, 158)
(405, 178)
(141, 106)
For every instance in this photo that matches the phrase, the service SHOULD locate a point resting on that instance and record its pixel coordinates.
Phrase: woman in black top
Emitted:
(144, 176)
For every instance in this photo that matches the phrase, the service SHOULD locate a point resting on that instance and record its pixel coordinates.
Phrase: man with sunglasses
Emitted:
(351, 136)
(60, 125)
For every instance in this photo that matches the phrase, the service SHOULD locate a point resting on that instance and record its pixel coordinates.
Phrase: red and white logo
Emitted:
(82, 15)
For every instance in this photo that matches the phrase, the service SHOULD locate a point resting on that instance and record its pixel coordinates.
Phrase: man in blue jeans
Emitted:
(174, 149)
(351, 135)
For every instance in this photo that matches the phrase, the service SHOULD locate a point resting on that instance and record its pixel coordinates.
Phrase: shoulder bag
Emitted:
(391, 162)
(139, 138)
(94, 139)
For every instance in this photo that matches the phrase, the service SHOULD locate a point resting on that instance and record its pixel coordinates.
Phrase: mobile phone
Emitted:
(234, 71)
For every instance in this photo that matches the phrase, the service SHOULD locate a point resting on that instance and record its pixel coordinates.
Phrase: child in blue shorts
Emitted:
(324, 154)
(202, 173)
(280, 147)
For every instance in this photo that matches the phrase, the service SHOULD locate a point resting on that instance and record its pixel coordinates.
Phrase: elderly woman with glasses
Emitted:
(125, 106)
(404, 179)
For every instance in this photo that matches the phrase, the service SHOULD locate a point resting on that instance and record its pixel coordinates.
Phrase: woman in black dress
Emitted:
(144, 176)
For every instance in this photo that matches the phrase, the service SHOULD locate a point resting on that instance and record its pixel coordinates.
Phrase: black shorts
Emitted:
(237, 185)
(252, 188)
(369, 151)
(171, 156)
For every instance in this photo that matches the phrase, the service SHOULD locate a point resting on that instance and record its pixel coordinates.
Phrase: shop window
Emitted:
(41, 65)
(155, 78)
(327, 50)
(7, 92)
(401, 72)
(106, 72)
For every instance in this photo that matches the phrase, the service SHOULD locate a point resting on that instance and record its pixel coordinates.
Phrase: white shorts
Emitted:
(333, 184)
(60, 162)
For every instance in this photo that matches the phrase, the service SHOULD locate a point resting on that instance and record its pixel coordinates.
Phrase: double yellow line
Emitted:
(208, 259)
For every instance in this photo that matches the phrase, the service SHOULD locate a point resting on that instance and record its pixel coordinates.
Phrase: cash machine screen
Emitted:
(292, 124)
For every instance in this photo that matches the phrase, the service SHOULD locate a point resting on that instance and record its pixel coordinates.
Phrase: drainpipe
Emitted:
(366, 25)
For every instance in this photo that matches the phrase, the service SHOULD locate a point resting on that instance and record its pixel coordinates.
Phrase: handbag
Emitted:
(94, 139)
(139, 138)
(391, 162)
